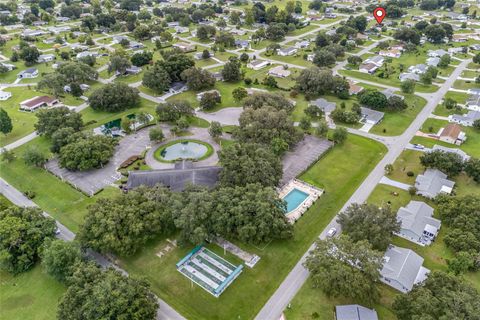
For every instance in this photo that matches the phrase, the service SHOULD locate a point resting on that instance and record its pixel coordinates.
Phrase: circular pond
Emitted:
(185, 149)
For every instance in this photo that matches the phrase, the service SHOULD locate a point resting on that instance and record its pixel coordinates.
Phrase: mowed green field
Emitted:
(339, 172)
(32, 295)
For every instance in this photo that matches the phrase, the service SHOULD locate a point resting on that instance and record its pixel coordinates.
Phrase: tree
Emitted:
(183, 124)
(426, 78)
(205, 54)
(276, 31)
(209, 100)
(142, 32)
(29, 55)
(215, 130)
(354, 60)
(305, 124)
(371, 223)
(476, 58)
(51, 120)
(5, 122)
(156, 135)
(448, 162)
(175, 63)
(388, 169)
(174, 110)
(198, 79)
(356, 263)
(114, 97)
(62, 137)
(119, 64)
(264, 124)
(444, 61)
(157, 79)
(408, 35)
(139, 215)
(141, 58)
(324, 58)
(373, 98)
(340, 135)
(437, 298)
(408, 86)
(23, 231)
(96, 294)
(435, 33)
(7, 155)
(263, 99)
(59, 258)
(476, 124)
(239, 94)
(396, 103)
(34, 156)
(231, 70)
(314, 81)
(472, 169)
(462, 262)
(322, 129)
(87, 152)
(245, 163)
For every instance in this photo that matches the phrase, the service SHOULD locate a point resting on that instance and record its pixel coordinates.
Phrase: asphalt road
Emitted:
(287, 290)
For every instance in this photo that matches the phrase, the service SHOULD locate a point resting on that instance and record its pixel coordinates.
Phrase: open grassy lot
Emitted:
(32, 295)
(339, 172)
(466, 84)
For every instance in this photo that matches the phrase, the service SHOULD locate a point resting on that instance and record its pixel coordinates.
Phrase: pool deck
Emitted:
(313, 194)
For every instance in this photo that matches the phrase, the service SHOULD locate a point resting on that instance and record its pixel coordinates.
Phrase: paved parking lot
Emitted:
(93, 180)
(302, 156)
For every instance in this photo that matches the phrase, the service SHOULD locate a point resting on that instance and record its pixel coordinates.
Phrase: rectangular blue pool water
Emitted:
(294, 198)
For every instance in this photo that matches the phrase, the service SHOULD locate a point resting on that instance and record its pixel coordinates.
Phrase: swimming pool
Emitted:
(294, 198)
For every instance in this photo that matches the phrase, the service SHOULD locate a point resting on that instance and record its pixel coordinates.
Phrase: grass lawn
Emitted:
(57, 198)
(393, 81)
(466, 84)
(32, 295)
(339, 172)
(471, 146)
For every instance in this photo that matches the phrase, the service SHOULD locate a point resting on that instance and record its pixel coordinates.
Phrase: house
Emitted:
(465, 119)
(279, 72)
(5, 95)
(402, 269)
(120, 38)
(84, 54)
(418, 69)
(28, 73)
(473, 102)
(329, 14)
(302, 44)
(368, 68)
(135, 45)
(452, 133)
(290, 51)
(201, 94)
(437, 53)
(38, 102)
(391, 93)
(33, 33)
(244, 44)
(455, 50)
(417, 223)
(377, 60)
(129, 70)
(354, 312)
(370, 116)
(184, 47)
(59, 29)
(433, 182)
(433, 61)
(354, 88)
(459, 38)
(392, 53)
(45, 58)
(83, 87)
(310, 57)
(180, 29)
(238, 32)
(178, 87)
(325, 106)
(9, 66)
(461, 153)
(258, 64)
(199, 55)
(176, 179)
(409, 76)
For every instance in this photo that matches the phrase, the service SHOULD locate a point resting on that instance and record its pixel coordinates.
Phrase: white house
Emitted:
(417, 223)
(402, 269)
(28, 73)
(279, 72)
(290, 51)
(45, 58)
(258, 64)
(5, 95)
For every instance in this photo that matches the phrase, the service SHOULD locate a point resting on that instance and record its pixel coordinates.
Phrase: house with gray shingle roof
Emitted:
(402, 268)
(324, 105)
(176, 179)
(473, 102)
(465, 119)
(433, 182)
(417, 223)
(354, 312)
(371, 116)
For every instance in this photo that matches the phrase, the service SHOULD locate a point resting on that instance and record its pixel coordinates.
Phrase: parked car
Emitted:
(331, 232)
(419, 146)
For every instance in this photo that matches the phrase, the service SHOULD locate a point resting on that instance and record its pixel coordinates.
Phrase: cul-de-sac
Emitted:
(239, 159)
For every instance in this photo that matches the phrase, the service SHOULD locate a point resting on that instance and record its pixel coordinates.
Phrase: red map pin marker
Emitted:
(379, 14)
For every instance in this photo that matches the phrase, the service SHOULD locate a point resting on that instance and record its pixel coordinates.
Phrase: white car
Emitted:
(331, 232)
(419, 146)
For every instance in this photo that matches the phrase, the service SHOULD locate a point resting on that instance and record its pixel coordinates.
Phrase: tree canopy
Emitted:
(23, 231)
(262, 99)
(51, 120)
(371, 223)
(114, 97)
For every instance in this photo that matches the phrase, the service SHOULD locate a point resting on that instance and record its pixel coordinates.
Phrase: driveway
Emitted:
(226, 116)
(393, 183)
